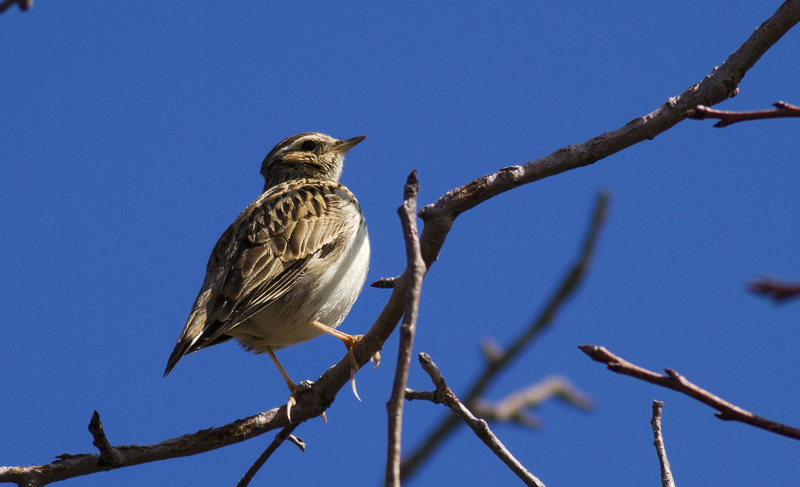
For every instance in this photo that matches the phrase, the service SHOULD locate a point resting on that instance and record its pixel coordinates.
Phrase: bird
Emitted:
(293, 263)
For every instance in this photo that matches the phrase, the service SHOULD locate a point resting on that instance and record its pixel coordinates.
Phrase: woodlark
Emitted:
(292, 264)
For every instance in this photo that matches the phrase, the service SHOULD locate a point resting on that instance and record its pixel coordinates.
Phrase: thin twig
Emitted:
(444, 395)
(108, 454)
(782, 110)
(383, 283)
(262, 459)
(408, 218)
(567, 287)
(676, 382)
(661, 450)
(716, 87)
(515, 406)
(777, 290)
(23, 4)
(316, 397)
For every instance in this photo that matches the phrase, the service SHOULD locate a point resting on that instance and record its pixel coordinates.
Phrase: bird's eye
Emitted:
(309, 145)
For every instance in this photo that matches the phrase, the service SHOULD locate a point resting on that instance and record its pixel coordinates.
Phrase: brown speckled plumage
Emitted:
(299, 253)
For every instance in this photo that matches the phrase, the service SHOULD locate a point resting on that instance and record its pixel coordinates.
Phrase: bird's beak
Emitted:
(345, 145)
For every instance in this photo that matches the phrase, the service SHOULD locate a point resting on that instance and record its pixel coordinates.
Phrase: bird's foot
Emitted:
(350, 341)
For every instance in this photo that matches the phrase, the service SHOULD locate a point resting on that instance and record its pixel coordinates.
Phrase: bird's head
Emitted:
(309, 155)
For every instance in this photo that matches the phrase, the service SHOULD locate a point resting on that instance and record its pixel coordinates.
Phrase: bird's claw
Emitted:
(376, 359)
(289, 404)
(350, 341)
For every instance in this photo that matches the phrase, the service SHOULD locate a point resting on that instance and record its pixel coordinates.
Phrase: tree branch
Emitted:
(716, 87)
(108, 454)
(70, 466)
(782, 110)
(661, 450)
(285, 434)
(416, 265)
(444, 395)
(500, 360)
(313, 398)
(676, 382)
(23, 5)
(514, 406)
(777, 290)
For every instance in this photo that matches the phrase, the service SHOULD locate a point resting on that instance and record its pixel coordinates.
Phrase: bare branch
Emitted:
(777, 290)
(782, 110)
(661, 450)
(313, 398)
(716, 87)
(383, 283)
(23, 4)
(719, 85)
(285, 434)
(498, 363)
(514, 406)
(443, 395)
(412, 395)
(70, 466)
(676, 382)
(416, 265)
(108, 454)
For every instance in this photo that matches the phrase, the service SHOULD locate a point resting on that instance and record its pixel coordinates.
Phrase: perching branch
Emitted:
(443, 395)
(782, 110)
(676, 382)
(661, 450)
(515, 406)
(70, 466)
(777, 290)
(313, 398)
(498, 360)
(408, 218)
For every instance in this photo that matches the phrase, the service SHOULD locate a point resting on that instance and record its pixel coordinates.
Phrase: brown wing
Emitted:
(260, 257)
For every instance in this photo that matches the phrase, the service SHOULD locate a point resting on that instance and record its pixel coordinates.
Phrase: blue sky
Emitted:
(131, 135)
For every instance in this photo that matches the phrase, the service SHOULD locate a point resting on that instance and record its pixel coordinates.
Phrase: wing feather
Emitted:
(260, 257)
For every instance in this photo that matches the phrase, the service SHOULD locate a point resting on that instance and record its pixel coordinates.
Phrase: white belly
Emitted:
(325, 293)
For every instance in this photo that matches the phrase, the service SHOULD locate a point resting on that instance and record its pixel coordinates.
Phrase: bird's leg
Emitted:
(349, 341)
(292, 386)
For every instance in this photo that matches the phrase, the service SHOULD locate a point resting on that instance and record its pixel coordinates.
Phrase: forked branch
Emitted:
(516, 406)
(498, 360)
(782, 110)
(444, 395)
(313, 398)
(677, 382)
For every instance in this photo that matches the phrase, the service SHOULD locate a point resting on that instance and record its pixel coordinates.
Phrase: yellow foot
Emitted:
(350, 341)
(289, 383)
